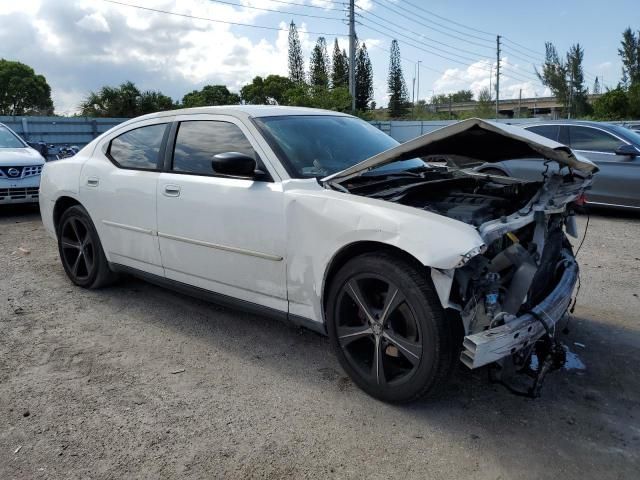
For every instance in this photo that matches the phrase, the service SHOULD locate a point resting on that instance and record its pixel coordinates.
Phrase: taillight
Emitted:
(581, 200)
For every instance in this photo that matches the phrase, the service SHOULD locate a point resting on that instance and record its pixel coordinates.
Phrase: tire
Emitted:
(401, 331)
(80, 250)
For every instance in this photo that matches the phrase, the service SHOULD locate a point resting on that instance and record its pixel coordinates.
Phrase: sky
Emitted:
(82, 45)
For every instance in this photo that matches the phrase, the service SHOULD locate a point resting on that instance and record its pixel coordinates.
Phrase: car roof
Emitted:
(245, 111)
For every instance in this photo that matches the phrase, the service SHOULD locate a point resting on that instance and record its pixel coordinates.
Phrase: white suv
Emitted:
(20, 168)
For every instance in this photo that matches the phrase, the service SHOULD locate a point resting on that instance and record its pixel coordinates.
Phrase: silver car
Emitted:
(20, 168)
(615, 149)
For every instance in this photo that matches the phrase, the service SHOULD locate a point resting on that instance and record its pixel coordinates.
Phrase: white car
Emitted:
(321, 219)
(20, 167)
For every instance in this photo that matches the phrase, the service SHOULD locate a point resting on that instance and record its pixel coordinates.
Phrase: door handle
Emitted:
(172, 190)
(93, 181)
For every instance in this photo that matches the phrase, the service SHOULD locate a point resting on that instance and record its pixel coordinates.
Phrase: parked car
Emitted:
(615, 149)
(319, 218)
(20, 167)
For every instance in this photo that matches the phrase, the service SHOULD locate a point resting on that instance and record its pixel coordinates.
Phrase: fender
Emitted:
(327, 221)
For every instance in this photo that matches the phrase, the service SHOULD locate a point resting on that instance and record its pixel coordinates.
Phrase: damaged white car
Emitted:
(408, 259)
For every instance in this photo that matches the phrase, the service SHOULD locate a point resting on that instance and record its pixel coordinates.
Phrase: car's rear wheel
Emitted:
(81, 251)
(388, 328)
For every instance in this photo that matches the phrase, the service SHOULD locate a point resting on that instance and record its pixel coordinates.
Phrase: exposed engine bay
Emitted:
(527, 260)
(512, 290)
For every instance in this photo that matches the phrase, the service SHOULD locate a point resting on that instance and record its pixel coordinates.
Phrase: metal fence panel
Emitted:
(59, 131)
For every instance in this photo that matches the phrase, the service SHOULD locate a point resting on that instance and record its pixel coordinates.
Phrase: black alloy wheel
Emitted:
(388, 327)
(377, 329)
(78, 249)
(81, 251)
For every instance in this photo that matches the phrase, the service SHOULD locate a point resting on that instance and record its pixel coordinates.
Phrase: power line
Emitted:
(420, 35)
(195, 17)
(414, 14)
(449, 20)
(424, 49)
(412, 19)
(275, 10)
(296, 4)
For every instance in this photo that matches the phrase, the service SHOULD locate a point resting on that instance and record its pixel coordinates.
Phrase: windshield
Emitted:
(320, 145)
(627, 133)
(8, 139)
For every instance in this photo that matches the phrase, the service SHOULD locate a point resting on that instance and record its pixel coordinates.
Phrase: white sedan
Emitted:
(407, 263)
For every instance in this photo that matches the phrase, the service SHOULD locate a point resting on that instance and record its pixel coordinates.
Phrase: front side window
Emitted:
(586, 138)
(8, 139)
(139, 148)
(548, 131)
(199, 140)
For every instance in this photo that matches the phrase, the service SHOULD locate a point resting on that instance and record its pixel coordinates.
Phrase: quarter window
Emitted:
(199, 140)
(139, 148)
(585, 138)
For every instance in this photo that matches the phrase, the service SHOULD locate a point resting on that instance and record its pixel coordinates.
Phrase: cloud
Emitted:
(94, 22)
(481, 74)
(81, 45)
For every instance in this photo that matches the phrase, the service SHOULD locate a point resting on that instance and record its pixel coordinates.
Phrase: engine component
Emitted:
(470, 208)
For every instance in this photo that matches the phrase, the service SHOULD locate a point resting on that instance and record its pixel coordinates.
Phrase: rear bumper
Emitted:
(491, 345)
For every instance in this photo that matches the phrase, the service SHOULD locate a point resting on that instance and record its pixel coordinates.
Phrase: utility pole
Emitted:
(352, 54)
(413, 95)
(519, 103)
(497, 76)
(418, 86)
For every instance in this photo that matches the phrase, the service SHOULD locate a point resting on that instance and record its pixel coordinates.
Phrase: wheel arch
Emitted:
(62, 204)
(347, 252)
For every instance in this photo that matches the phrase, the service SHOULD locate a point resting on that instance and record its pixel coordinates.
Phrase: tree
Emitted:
(268, 91)
(397, 88)
(296, 63)
(554, 74)
(124, 101)
(596, 87)
(484, 107)
(462, 96)
(152, 101)
(364, 79)
(612, 105)
(630, 55)
(340, 67)
(210, 95)
(578, 105)
(22, 92)
(319, 64)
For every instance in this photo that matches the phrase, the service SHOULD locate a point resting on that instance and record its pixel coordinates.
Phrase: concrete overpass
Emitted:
(536, 106)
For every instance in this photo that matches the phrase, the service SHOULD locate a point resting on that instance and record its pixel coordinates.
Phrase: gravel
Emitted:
(134, 381)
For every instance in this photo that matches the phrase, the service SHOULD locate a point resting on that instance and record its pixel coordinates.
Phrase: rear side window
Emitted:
(586, 138)
(549, 131)
(138, 149)
(199, 140)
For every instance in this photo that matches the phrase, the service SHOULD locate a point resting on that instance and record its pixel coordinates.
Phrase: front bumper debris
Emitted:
(517, 333)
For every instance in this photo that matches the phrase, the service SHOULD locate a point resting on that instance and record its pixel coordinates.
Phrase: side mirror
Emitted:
(234, 163)
(627, 150)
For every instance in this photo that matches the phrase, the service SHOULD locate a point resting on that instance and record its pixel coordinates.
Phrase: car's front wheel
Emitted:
(388, 328)
(81, 251)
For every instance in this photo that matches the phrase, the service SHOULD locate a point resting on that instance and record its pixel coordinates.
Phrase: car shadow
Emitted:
(28, 211)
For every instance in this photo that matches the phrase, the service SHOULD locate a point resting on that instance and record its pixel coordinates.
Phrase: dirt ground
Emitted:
(135, 381)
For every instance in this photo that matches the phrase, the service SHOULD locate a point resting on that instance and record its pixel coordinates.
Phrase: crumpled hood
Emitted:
(20, 157)
(471, 142)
